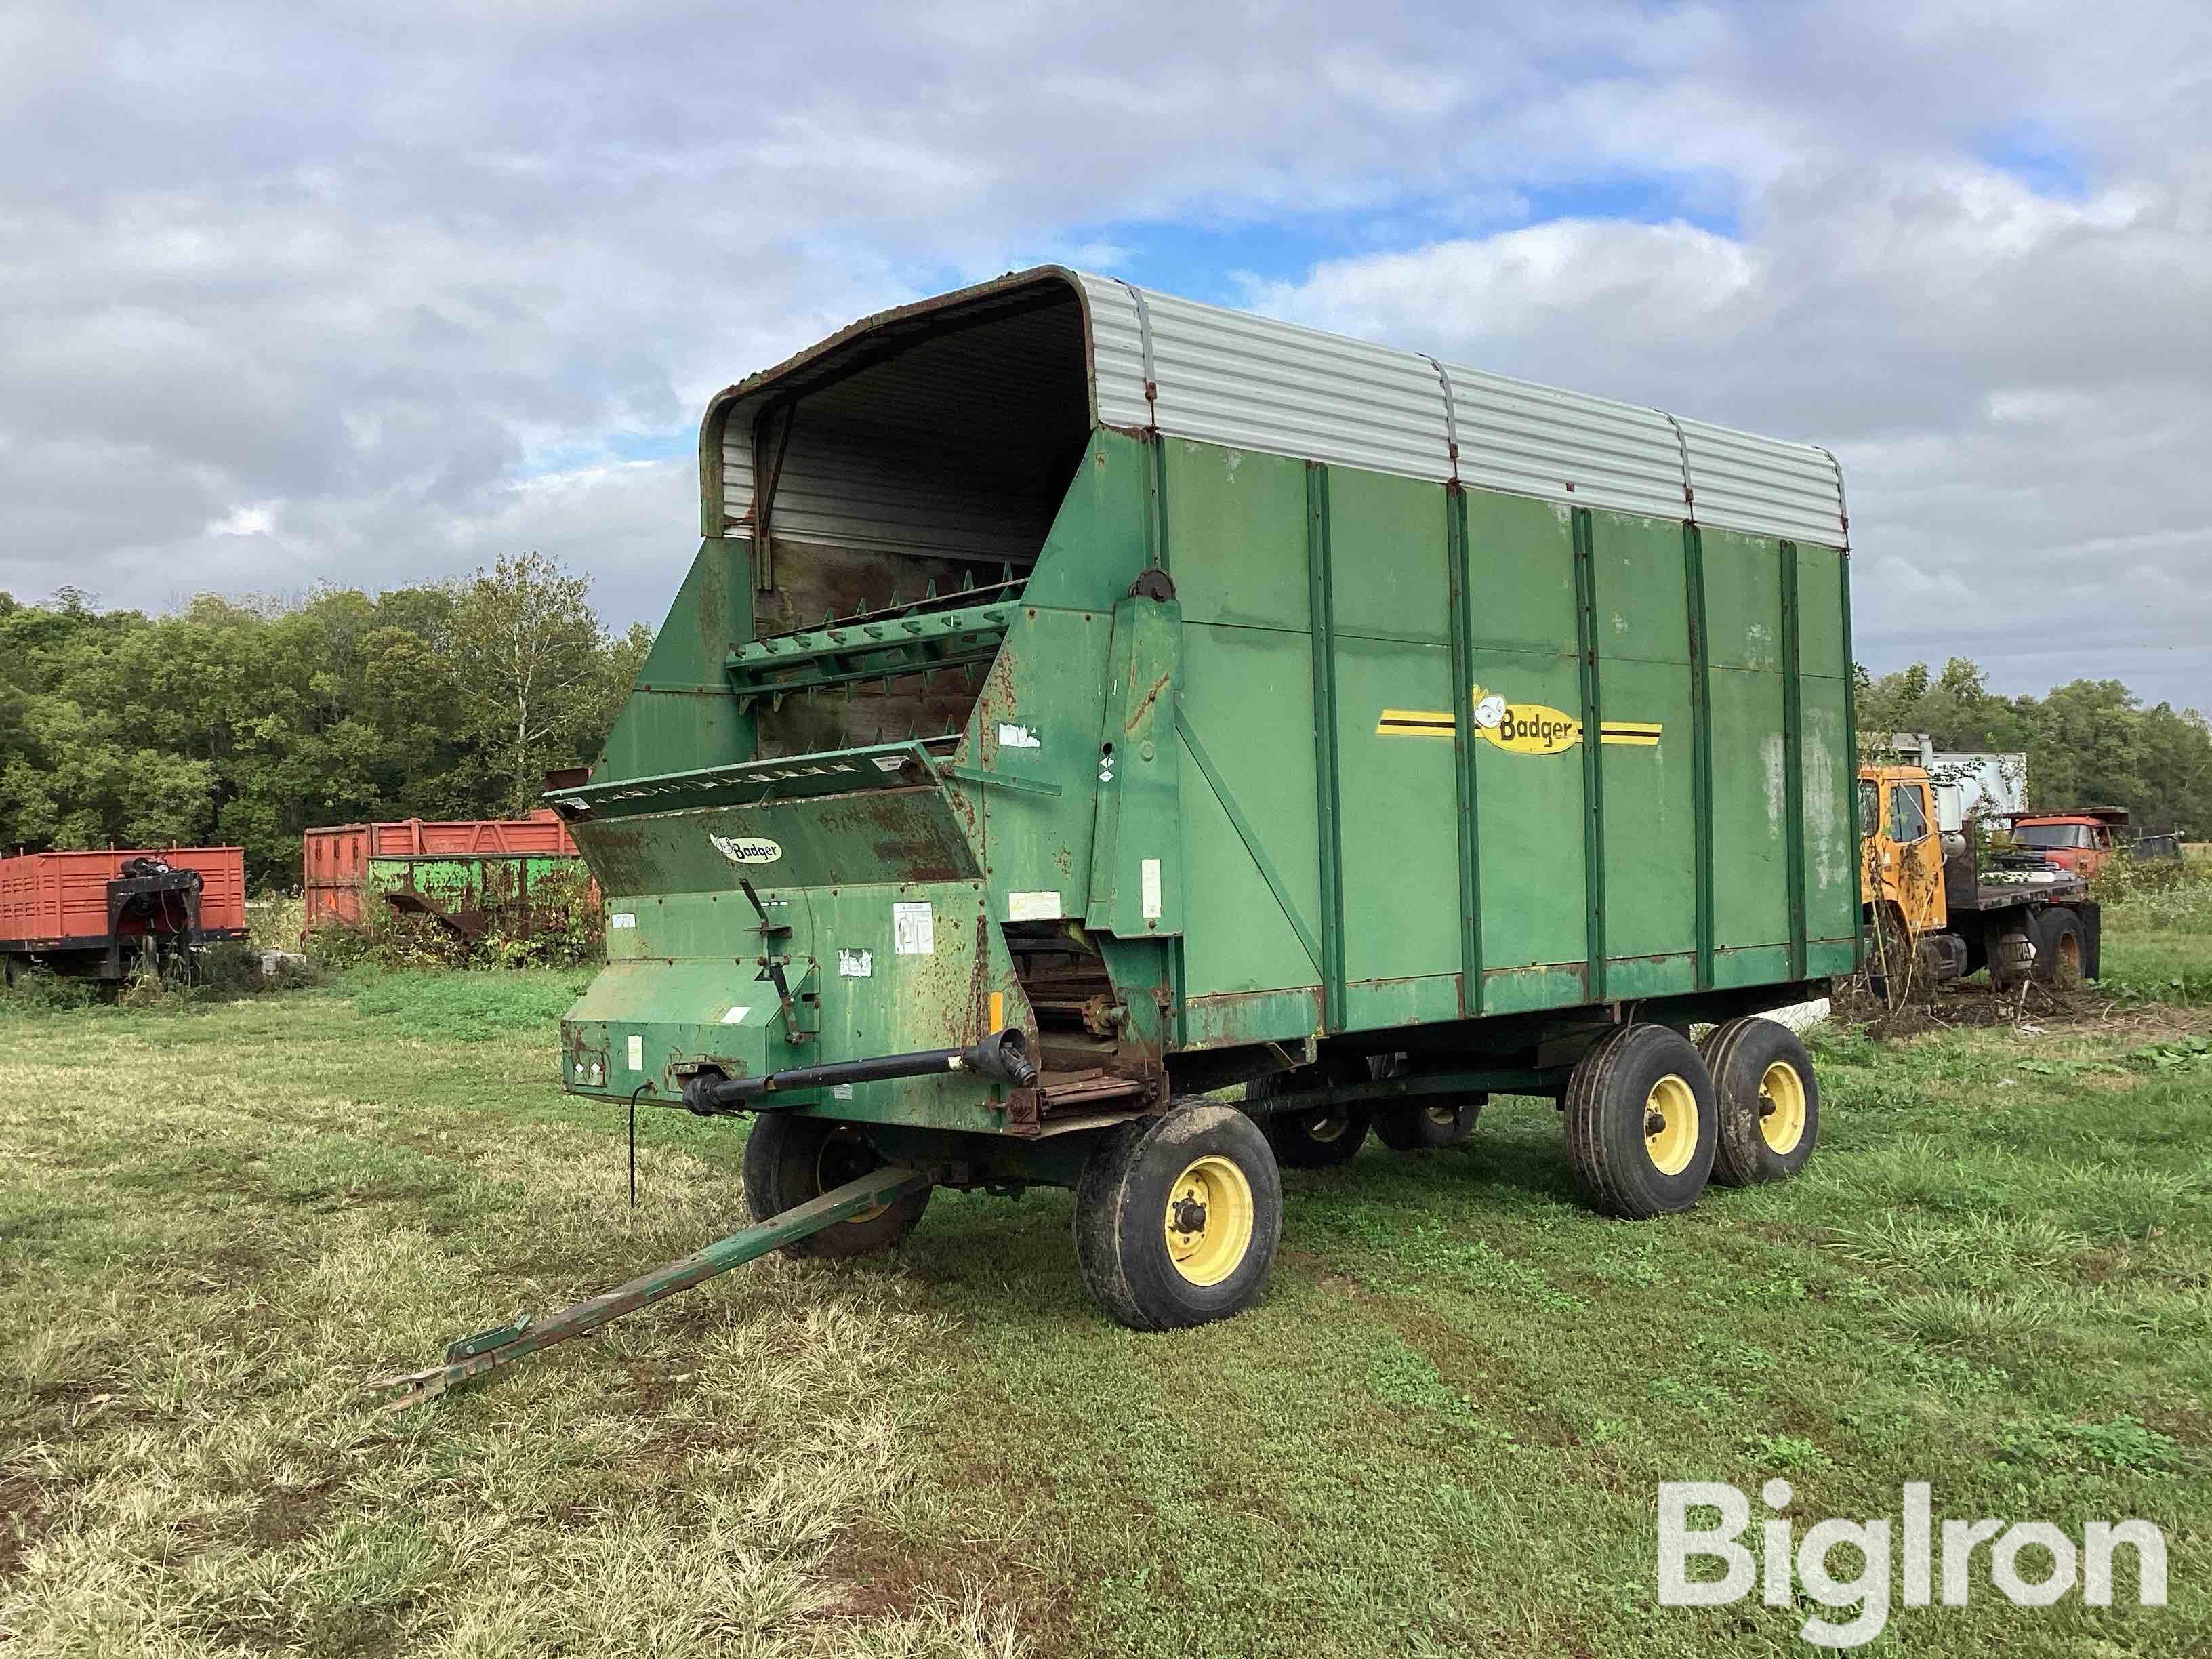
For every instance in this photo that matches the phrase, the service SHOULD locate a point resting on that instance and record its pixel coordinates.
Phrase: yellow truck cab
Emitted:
(1939, 904)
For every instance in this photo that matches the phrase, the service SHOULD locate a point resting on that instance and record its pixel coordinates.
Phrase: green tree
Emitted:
(529, 655)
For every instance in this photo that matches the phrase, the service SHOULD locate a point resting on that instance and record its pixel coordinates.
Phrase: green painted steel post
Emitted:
(1592, 747)
(1701, 747)
(1793, 757)
(1851, 748)
(1462, 681)
(1319, 603)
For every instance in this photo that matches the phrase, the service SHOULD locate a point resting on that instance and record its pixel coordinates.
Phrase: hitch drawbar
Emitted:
(472, 1356)
(1003, 1055)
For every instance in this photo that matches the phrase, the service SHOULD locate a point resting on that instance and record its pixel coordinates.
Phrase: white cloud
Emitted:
(287, 296)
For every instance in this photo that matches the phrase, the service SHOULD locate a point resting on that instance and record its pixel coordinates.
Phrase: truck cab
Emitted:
(1939, 904)
(2085, 842)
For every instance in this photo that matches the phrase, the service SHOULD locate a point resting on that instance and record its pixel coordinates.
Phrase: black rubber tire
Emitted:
(1320, 1138)
(1418, 1126)
(1738, 1056)
(2062, 950)
(2001, 977)
(790, 1159)
(1608, 1097)
(1122, 1202)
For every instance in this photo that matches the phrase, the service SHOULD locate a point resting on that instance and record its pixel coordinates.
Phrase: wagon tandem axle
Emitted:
(1700, 1109)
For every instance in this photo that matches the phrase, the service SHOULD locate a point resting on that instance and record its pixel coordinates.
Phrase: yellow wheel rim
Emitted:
(1328, 1125)
(1782, 1108)
(1670, 1125)
(2069, 960)
(1209, 1220)
(1444, 1117)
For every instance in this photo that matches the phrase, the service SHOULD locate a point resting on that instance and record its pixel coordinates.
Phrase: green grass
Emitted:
(2158, 942)
(1440, 1433)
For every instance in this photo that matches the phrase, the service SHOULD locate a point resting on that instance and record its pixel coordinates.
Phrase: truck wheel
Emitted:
(2011, 957)
(1641, 1123)
(789, 1160)
(1416, 1127)
(1769, 1105)
(2060, 957)
(1176, 1216)
(1319, 1137)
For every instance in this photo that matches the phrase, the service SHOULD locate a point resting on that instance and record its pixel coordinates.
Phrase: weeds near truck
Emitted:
(1439, 1433)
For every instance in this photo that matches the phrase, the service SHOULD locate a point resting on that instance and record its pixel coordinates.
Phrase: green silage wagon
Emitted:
(1084, 702)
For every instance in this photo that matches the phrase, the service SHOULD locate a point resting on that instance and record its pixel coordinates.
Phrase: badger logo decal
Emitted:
(1519, 728)
(747, 850)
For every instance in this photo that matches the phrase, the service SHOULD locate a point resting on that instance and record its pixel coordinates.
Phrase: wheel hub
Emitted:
(1670, 1125)
(1782, 1108)
(1209, 1220)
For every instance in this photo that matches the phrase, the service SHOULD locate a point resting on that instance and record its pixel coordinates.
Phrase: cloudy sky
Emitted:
(367, 299)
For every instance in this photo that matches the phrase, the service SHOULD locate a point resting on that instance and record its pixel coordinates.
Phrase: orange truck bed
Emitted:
(58, 901)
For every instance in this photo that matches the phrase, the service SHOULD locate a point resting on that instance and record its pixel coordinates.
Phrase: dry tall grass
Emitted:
(205, 1247)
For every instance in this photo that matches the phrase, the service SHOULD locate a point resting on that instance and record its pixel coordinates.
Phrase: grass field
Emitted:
(1441, 1433)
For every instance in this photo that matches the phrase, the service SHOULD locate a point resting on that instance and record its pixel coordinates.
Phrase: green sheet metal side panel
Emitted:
(1397, 811)
(681, 715)
(1750, 763)
(1831, 888)
(1253, 890)
(1099, 538)
(908, 834)
(1237, 547)
(1236, 537)
(685, 981)
(1640, 602)
(1521, 577)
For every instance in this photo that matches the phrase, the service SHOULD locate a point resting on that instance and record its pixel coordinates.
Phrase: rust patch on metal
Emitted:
(1144, 708)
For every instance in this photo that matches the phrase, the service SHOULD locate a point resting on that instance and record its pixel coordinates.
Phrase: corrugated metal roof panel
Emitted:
(1117, 353)
(1765, 487)
(1536, 440)
(1230, 378)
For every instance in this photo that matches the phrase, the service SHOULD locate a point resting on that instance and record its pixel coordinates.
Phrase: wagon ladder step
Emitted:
(472, 1356)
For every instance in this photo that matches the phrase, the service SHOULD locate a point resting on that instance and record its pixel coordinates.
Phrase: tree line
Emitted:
(249, 721)
(245, 722)
(2088, 743)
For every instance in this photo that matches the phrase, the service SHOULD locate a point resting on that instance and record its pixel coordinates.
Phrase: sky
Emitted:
(374, 296)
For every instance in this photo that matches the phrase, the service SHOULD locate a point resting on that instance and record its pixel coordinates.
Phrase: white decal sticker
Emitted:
(637, 1054)
(736, 1017)
(914, 934)
(856, 964)
(747, 850)
(1032, 907)
(890, 763)
(623, 919)
(1150, 870)
(1018, 737)
(1489, 713)
(841, 1091)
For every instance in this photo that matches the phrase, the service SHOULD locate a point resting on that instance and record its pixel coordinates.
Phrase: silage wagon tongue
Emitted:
(472, 1356)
